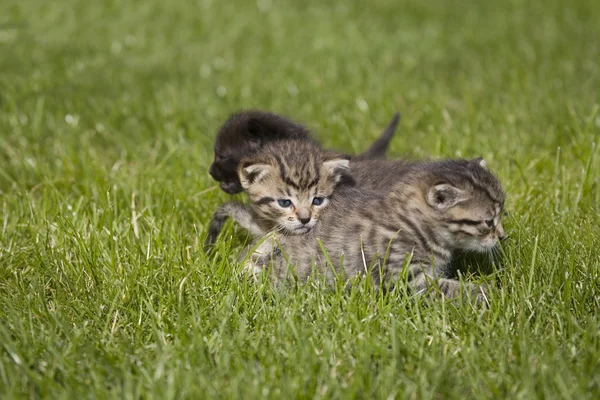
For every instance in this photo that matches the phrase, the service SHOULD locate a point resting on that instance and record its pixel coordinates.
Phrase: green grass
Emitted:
(108, 112)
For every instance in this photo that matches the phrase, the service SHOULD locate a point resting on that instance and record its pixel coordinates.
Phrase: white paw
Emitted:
(252, 267)
(260, 258)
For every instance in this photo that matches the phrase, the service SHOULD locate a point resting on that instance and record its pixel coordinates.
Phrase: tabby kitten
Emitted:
(289, 183)
(379, 176)
(433, 209)
(244, 134)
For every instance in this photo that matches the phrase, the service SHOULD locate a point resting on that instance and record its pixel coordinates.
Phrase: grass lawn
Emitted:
(108, 112)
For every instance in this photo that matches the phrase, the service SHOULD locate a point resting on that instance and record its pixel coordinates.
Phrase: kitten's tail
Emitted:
(380, 146)
(240, 213)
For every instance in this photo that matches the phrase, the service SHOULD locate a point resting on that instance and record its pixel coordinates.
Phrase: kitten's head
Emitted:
(242, 135)
(291, 182)
(469, 200)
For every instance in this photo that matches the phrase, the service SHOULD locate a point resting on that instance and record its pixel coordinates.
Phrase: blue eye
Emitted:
(317, 201)
(284, 202)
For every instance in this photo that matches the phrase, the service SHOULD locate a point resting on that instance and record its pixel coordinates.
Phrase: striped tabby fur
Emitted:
(429, 210)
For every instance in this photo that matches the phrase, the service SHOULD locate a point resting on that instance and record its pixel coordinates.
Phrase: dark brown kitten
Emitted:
(245, 133)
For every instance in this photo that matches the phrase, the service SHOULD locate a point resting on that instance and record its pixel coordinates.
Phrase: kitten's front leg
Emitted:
(240, 213)
(261, 256)
(423, 280)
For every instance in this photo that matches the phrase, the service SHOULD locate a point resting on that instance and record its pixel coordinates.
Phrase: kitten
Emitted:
(377, 175)
(244, 133)
(289, 184)
(432, 210)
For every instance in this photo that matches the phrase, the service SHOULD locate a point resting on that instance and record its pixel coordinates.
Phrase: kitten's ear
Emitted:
(250, 174)
(256, 132)
(338, 168)
(479, 161)
(444, 196)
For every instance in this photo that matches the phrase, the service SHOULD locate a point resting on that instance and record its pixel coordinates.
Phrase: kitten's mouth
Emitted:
(484, 246)
(301, 230)
(478, 246)
(231, 187)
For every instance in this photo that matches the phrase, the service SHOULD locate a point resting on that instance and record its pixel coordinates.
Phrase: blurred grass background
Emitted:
(108, 112)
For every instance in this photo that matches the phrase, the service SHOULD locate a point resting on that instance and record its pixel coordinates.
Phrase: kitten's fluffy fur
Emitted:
(289, 184)
(431, 210)
(245, 133)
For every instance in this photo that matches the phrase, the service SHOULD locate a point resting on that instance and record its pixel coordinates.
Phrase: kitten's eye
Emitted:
(490, 223)
(317, 201)
(284, 202)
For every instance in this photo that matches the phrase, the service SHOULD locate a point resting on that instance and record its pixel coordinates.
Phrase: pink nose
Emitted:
(303, 215)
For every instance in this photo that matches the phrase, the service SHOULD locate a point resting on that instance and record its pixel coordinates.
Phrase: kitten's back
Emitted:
(258, 125)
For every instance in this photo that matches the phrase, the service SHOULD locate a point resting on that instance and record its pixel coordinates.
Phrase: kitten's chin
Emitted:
(303, 230)
(231, 187)
(299, 229)
(479, 246)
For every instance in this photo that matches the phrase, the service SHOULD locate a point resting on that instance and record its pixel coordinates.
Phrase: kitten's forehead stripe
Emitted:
(290, 182)
(481, 188)
(281, 167)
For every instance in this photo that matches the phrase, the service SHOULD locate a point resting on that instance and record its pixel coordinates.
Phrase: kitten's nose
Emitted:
(499, 231)
(304, 220)
(303, 215)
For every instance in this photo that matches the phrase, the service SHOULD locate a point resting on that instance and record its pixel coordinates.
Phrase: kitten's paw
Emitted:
(257, 263)
(252, 268)
(481, 294)
(475, 294)
(452, 290)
